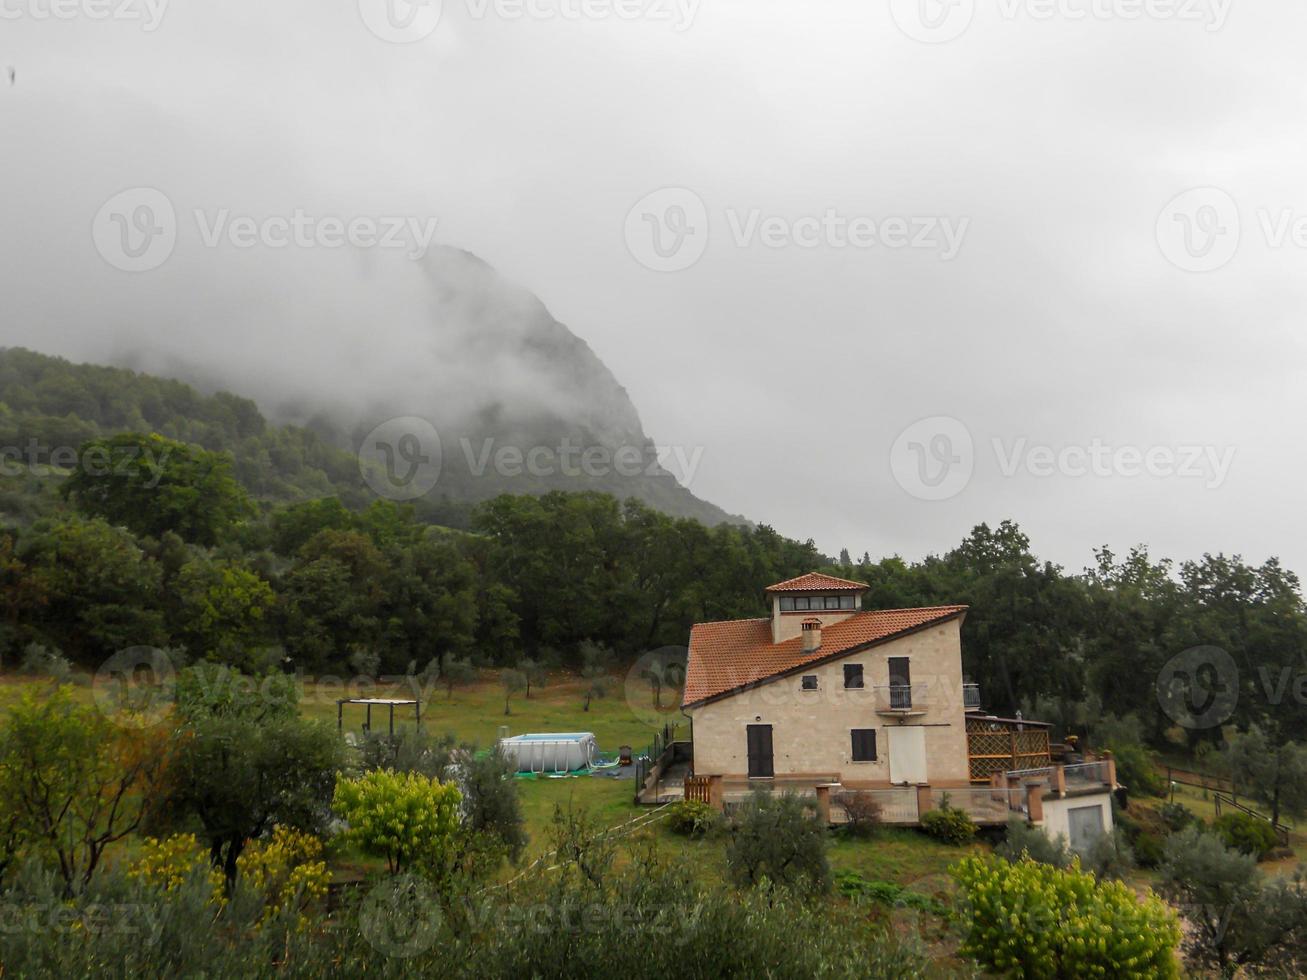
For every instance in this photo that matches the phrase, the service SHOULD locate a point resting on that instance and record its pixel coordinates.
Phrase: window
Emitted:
(801, 602)
(864, 744)
(853, 675)
(810, 682)
(787, 604)
(832, 602)
(846, 602)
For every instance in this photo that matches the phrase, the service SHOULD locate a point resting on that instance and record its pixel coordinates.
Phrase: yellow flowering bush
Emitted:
(168, 862)
(405, 817)
(1034, 920)
(286, 869)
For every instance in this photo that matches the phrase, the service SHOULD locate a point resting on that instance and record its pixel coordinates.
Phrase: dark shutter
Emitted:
(760, 751)
(853, 675)
(864, 744)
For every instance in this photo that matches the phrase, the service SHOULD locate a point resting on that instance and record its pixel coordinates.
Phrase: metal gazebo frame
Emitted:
(390, 703)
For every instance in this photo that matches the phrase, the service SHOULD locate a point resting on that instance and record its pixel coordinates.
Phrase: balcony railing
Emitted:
(902, 699)
(970, 696)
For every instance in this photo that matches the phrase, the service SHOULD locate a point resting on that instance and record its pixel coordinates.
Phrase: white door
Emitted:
(907, 755)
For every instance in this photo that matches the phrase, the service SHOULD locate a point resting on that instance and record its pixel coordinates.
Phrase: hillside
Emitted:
(49, 402)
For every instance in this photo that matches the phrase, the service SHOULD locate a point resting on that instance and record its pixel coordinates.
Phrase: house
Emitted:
(823, 690)
(825, 697)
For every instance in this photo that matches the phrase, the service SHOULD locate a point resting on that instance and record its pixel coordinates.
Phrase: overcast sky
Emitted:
(1062, 234)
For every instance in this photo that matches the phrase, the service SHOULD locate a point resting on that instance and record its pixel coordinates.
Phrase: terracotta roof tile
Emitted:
(739, 653)
(817, 582)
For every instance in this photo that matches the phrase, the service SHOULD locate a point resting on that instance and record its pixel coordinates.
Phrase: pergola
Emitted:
(389, 703)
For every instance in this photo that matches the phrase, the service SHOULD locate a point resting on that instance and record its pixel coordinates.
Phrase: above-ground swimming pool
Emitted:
(560, 752)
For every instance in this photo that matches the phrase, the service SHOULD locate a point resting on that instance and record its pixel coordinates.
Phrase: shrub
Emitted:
(852, 885)
(1177, 816)
(863, 812)
(43, 661)
(948, 824)
(1025, 841)
(1245, 834)
(1033, 920)
(1135, 769)
(692, 818)
(1110, 857)
(407, 818)
(1149, 849)
(170, 862)
(776, 842)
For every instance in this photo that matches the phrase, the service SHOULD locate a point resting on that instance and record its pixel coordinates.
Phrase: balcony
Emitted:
(971, 697)
(902, 700)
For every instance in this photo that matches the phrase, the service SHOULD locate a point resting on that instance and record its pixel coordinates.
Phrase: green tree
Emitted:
(151, 485)
(1274, 775)
(596, 670)
(245, 761)
(409, 819)
(100, 593)
(74, 782)
(225, 610)
(513, 682)
(1239, 918)
(777, 842)
(456, 673)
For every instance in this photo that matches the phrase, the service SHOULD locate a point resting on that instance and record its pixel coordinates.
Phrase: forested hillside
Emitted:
(256, 545)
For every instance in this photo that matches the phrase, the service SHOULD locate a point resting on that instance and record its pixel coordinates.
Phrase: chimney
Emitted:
(811, 635)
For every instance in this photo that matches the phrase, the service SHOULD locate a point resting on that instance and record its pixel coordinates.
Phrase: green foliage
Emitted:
(513, 682)
(98, 592)
(244, 762)
(852, 885)
(72, 783)
(1135, 769)
(207, 691)
(1270, 770)
(1238, 917)
(776, 842)
(597, 663)
(1033, 920)
(1023, 841)
(1177, 816)
(153, 485)
(949, 824)
(1245, 833)
(407, 818)
(225, 610)
(1110, 857)
(692, 818)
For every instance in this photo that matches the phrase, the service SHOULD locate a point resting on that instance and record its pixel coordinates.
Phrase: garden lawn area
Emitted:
(476, 712)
